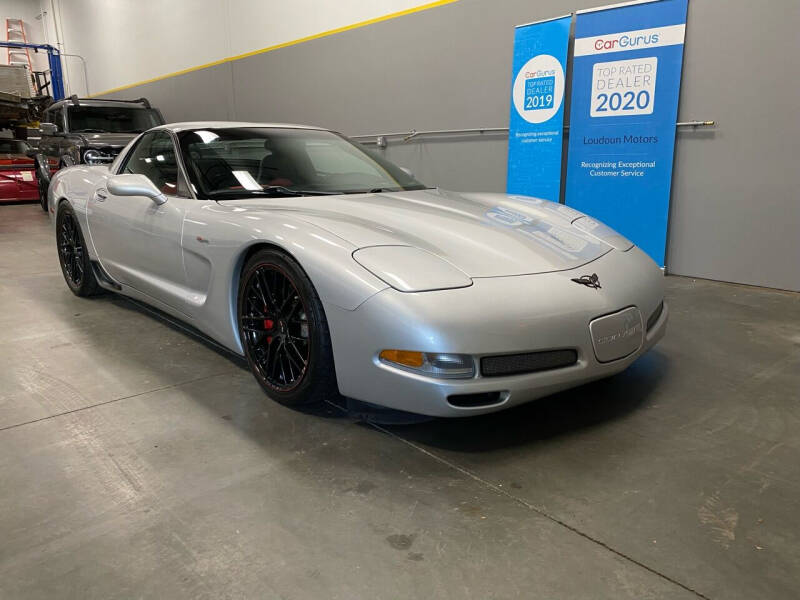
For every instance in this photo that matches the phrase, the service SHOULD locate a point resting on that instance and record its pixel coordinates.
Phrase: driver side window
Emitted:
(154, 157)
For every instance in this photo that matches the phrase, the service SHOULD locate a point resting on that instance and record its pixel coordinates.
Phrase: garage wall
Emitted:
(735, 212)
(27, 10)
(171, 36)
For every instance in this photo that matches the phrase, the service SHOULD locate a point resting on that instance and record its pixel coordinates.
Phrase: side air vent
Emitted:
(653, 319)
(531, 362)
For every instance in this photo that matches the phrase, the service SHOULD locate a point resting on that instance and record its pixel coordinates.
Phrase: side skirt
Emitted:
(103, 278)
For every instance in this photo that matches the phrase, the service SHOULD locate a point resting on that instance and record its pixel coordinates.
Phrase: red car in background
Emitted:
(18, 179)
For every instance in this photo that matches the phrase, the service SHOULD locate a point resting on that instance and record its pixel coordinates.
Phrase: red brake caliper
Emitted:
(268, 325)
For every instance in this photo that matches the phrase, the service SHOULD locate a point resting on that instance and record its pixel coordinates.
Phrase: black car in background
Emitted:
(89, 131)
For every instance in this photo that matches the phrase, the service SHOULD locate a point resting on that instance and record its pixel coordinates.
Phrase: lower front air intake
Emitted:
(530, 362)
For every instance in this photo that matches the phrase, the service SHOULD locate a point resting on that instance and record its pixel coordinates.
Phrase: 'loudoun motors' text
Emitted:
(625, 139)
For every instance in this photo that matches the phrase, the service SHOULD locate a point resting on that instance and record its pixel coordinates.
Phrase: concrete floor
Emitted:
(138, 461)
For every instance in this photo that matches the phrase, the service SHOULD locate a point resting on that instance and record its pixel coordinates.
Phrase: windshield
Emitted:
(112, 119)
(261, 161)
(13, 147)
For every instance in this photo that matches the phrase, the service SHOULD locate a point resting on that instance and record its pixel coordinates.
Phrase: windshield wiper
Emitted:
(380, 190)
(271, 191)
(279, 190)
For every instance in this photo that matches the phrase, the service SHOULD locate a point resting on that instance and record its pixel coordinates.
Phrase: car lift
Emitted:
(54, 60)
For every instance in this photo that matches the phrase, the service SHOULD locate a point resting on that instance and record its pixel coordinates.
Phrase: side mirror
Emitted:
(407, 171)
(135, 184)
(31, 152)
(48, 128)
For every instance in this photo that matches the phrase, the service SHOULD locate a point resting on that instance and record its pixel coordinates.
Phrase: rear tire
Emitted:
(284, 331)
(42, 192)
(73, 255)
(42, 184)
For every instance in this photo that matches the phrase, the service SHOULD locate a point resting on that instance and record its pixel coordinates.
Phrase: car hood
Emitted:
(102, 140)
(483, 235)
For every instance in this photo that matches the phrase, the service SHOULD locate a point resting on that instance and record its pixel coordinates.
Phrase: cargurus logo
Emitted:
(540, 73)
(626, 42)
(638, 39)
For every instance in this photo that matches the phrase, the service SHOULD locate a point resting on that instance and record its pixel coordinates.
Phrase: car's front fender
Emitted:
(217, 239)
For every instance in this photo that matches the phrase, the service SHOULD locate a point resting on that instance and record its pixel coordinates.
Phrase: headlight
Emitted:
(93, 156)
(433, 364)
(409, 269)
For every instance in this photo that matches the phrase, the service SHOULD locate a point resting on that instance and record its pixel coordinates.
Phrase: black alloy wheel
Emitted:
(275, 324)
(72, 254)
(283, 330)
(70, 250)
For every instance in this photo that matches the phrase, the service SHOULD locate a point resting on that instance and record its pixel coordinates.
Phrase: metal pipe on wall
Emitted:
(381, 139)
(56, 17)
(85, 71)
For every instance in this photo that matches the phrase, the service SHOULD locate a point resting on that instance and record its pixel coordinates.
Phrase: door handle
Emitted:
(100, 195)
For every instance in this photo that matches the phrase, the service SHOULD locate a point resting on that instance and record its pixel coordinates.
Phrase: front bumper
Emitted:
(500, 315)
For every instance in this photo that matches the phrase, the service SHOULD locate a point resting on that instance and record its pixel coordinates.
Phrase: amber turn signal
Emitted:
(432, 364)
(407, 358)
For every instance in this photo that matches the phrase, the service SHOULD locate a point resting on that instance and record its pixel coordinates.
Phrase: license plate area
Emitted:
(617, 335)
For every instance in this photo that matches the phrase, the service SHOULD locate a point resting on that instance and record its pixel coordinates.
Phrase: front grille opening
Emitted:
(474, 400)
(653, 319)
(110, 150)
(530, 362)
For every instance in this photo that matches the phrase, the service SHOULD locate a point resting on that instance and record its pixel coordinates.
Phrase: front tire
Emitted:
(284, 331)
(73, 255)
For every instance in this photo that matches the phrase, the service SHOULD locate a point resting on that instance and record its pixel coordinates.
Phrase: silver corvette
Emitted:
(335, 272)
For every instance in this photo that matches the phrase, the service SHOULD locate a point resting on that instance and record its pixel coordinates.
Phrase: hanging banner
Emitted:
(537, 108)
(626, 81)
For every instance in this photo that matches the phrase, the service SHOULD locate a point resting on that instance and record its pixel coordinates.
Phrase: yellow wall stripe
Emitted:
(308, 38)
